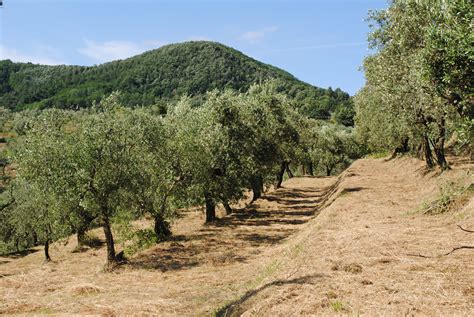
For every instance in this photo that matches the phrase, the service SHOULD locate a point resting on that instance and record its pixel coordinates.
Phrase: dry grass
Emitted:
(356, 251)
(284, 255)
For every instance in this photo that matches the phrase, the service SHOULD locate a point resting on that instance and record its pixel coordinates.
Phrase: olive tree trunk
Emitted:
(279, 178)
(227, 207)
(257, 187)
(310, 169)
(109, 239)
(427, 152)
(329, 170)
(288, 170)
(210, 208)
(439, 146)
(161, 227)
(47, 257)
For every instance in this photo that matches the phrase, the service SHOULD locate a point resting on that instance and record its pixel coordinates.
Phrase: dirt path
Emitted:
(283, 255)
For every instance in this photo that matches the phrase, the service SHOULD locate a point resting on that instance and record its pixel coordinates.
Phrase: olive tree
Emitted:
(275, 138)
(413, 86)
(95, 164)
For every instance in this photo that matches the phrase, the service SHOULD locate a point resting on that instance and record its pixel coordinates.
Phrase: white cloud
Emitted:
(40, 58)
(101, 52)
(254, 37)
(108, 51)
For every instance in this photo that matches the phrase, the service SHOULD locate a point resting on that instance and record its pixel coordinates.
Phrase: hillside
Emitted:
(157, 76)
(324, 245)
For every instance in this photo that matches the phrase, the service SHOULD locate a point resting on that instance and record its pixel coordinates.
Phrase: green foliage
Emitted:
(157, 77)
(140, 240)
(231, 139)
(378, 155)
(449, 53)
(131, 238)
(419, 81)
(450, 195)
(337, 306)
(89, 165)
(328, 147)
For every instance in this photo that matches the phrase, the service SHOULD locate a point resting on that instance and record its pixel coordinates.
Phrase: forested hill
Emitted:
(156, 77)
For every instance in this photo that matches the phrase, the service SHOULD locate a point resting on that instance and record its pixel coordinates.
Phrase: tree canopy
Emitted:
(419, 81)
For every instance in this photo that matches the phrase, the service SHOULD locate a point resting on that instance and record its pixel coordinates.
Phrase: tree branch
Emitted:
(470, 231)
(444, 254)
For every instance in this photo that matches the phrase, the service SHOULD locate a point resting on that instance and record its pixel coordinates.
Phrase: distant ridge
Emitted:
(156, 77)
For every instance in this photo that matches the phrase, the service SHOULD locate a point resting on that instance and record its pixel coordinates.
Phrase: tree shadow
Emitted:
(234, 238)
(233, 308)
(352, 189)
(291, 202)
(293, 193)
(457, 160)
(19, 254)
(175, 256)
(269, 222)
(256, 239)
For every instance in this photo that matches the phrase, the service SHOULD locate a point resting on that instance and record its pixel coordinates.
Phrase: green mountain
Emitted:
(157, 77)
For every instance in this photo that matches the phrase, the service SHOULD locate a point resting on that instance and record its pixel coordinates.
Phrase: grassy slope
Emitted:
(277, 258)
(356, 257)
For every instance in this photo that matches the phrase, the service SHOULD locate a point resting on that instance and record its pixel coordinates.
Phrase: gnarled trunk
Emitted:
(35, 238)
(288, 170)
(439, 146)
(83, 227)
(109, 238)
(210, 208)
(81, 236)
(303, 169)
(329, 170)
(82, 232)
(427, 152)
(161, 228)
(402, 148)
(257, 187)
(228, 209)
(47, 258)
(279, 178)
(310, 169)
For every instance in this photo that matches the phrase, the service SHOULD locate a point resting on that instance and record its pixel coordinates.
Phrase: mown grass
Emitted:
(451, 196)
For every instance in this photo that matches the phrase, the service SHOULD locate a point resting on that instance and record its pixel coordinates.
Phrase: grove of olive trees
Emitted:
(109, 165)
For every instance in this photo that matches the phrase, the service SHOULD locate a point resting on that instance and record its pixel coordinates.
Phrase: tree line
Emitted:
(109, 165)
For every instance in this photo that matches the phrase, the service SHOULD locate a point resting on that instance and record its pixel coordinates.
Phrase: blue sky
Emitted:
(321, 42)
